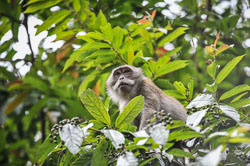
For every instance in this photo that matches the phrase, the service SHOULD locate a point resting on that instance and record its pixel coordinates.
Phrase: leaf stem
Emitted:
(117, 53)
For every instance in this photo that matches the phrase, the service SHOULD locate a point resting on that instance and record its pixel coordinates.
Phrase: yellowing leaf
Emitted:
(210, 50)
(222, 48)
(15, 102)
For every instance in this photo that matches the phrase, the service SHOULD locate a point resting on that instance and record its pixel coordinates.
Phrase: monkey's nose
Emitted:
(121, 78)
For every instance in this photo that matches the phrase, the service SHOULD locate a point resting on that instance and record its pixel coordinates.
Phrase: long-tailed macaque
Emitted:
(126, 82)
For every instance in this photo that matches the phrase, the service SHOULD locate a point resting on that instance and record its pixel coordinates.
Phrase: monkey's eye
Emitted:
(117, 73)
(127, 71)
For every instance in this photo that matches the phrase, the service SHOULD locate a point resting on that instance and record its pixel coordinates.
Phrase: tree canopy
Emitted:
(56, 55)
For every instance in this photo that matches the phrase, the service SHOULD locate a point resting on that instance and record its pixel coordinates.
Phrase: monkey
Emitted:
(126, 82)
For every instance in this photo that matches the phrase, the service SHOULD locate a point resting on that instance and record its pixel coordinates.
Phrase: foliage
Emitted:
(208, 79)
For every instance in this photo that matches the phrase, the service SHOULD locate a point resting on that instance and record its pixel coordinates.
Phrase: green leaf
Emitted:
(239, 97)
(98, 158)
(56, 17)
(44, 150)
(147, 161)
(175, 94)
(173, 35)
(239, 140)
(118, 37)
(211, 69)
(77, 53)
(240, 103)
(180, 153)
(128, 128)
(236, 90)
(41, 5)
(101, 19)
(37, 83)
(183, 135)
(107, 31)
(180, 87)
(94, 35)
(130, 112)
(71, 59)
(171, 66)
(98, 53)
(95, 106)
(170, 53)
(4, 46)
(164, 84)
(228, 68)
(34, 111)
(176, 124)
(76, 5)
(212, 88)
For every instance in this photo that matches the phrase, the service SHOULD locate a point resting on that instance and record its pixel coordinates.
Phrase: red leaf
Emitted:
(143, 21)
(217, 38)
(153, 14)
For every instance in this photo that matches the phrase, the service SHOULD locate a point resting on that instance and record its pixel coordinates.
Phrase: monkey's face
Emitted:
(124, 80)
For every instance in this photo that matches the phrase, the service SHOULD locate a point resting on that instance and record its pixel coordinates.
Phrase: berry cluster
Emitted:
(55, 129)
(160, 117)
(194, 109)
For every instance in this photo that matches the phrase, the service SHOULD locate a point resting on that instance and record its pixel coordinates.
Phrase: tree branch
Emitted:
(75, 15)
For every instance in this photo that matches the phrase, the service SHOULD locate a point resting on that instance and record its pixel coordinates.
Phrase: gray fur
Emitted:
(138, 84)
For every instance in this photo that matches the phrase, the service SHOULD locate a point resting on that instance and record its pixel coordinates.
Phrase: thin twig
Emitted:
(75, 15)
(117, 53)
(94, 130)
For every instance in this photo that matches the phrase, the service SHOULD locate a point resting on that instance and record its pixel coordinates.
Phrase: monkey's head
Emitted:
(123, 82)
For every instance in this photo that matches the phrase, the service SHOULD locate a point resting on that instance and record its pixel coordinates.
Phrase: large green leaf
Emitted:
(118, 37)
(53, 19)
(236, 90)
(170, 67)
(228, 68)
(101, 19)
(98, 158)
(107, 31)
(95, 106)
(130, 112)
(41, 5)
(180, 153)
(173, 35)
(44, 150)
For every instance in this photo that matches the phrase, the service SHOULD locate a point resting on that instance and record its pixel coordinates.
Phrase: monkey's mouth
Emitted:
(123, 84)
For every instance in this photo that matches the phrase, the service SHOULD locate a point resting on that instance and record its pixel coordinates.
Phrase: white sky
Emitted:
(22, 47)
